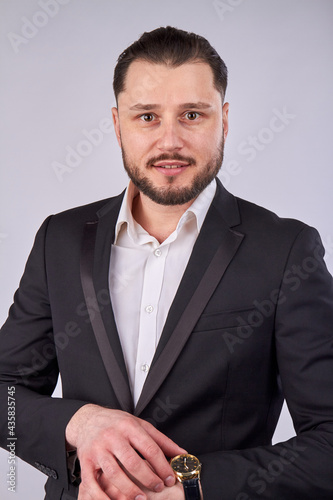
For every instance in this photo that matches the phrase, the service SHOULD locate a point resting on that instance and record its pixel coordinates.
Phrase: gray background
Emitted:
(56, 81)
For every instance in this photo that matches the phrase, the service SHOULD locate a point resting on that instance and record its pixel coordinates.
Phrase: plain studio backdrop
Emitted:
(57, 61)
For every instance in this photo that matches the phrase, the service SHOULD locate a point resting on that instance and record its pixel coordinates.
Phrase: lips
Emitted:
(170, 167)
(170, 164)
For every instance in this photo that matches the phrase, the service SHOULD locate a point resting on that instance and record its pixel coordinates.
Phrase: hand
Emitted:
(175, 492)
(107, 441)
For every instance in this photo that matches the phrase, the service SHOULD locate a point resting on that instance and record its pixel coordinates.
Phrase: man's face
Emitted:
(171, 127)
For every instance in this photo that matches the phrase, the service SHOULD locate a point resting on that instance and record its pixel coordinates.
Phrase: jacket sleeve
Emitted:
(29, 373)
(302, 467)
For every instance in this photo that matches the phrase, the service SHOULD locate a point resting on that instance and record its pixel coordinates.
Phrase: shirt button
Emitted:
(145, 367)
(149, 309)
(158, 252)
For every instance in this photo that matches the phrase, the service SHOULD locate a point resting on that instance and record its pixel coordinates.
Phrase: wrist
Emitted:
(74, 425)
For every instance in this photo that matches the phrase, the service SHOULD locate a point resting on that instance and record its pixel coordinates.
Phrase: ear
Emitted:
(225, 119)
(116, 124)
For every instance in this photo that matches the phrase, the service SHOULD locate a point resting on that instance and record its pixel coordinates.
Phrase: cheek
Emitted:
(207, 144)
(135, 144)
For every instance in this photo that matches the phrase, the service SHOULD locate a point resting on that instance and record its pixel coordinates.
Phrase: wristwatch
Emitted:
(187, 470)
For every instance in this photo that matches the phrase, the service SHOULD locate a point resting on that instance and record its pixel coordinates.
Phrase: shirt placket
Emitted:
(148, 335)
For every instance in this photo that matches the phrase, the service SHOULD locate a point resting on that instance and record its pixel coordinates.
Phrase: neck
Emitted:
(158, 220)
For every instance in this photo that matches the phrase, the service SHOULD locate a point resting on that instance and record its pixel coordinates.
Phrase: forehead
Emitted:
(150, 83)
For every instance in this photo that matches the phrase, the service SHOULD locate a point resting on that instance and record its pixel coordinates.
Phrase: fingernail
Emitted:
(159, 487)
(140, 497)
(170, 480)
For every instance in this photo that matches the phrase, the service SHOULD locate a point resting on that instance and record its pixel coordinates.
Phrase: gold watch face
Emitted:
(185, 465)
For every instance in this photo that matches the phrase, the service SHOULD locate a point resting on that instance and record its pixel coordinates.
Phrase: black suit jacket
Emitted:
(251, 323)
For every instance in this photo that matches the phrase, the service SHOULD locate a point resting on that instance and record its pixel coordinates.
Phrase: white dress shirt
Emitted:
(144, 277)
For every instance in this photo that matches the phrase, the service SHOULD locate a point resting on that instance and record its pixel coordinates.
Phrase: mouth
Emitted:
(170, 164)
(171, 167)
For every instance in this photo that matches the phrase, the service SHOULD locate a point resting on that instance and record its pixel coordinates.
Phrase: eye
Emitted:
(192, 115)
(147, 117)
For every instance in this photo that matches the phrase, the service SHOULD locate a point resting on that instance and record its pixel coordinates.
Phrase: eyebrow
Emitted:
(187, 105)
(196, 105)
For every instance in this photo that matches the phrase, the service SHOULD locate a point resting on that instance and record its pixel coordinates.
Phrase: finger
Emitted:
(118, 478)
(109, 489)
(138, 468)
(169, 447)
(90, 491)
(91, 487)
(152, 452)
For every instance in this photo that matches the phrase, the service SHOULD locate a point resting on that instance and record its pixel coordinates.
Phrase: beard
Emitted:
(172, 195)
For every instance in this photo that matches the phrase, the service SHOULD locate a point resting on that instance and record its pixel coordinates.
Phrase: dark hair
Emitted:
(170, 46)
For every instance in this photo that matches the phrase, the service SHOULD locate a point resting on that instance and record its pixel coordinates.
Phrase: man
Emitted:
(178, 315)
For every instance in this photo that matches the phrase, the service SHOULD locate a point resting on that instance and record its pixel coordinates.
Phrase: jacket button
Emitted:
(53, 474)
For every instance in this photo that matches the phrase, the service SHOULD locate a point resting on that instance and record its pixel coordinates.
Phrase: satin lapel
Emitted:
(205, 269)
(94, 276)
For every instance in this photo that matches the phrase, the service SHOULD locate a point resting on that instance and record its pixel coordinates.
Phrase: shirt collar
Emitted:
(201, 204)
(125, 214)
(198, 209)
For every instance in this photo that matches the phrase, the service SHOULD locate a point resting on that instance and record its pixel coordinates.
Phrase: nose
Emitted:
(169, 136)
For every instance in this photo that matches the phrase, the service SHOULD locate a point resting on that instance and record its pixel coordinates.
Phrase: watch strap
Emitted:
(192, 489)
